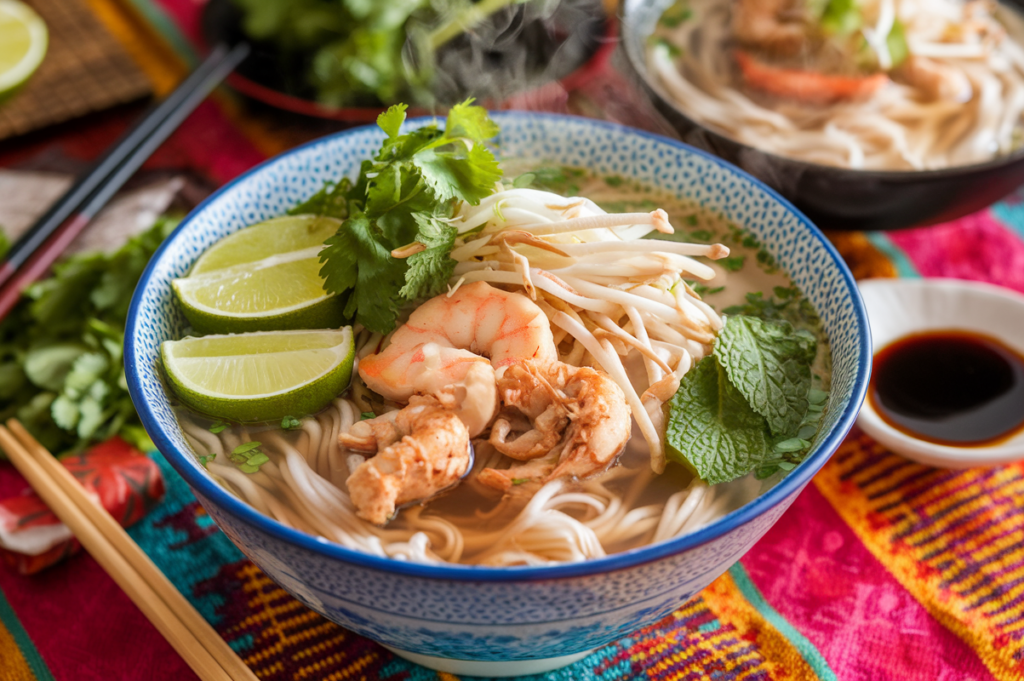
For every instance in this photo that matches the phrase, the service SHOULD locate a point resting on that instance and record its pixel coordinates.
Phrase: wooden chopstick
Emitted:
(42, 244)
(184, 628)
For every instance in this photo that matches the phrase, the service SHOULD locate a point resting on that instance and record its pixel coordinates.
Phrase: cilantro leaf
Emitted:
(470, 122)
(469, 177)
(391, 120)
(61, 348)
(403, 197)
(331, 201)
(711, 428)
(430, 269)
(769, 363)
(355, 259)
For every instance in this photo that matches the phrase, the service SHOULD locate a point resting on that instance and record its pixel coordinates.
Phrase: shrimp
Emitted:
(809, 87)
(576, 418)
(570, 421)
(443, 350)
(420, 450)
(762, 24)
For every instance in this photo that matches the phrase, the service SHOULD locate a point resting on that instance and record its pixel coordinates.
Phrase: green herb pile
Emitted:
(363, 52)
(402, 203)
(61, 366)
(749, 406)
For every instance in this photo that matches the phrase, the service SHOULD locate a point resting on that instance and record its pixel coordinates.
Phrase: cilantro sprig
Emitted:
(61, 364)
(394, 244)
(748, 407)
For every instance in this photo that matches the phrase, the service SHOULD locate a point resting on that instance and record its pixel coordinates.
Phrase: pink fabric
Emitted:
(975, 247)
(819, 576)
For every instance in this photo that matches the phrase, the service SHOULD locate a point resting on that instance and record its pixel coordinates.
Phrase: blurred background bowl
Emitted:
(834, 198)
(484, 620)
(519, 57)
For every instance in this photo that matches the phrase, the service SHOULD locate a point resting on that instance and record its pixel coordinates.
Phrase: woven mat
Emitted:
(86, 69)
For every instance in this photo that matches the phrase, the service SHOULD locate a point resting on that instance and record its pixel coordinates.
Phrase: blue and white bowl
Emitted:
(486, 620)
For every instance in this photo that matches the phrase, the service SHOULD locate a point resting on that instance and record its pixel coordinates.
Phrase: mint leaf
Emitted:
(711, 428)
(246, 447)
(769, 363)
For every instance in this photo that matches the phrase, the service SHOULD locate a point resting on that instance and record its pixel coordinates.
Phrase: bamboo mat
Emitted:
(86, 69)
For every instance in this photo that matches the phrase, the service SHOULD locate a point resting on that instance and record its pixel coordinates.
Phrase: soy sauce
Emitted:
(950, 387)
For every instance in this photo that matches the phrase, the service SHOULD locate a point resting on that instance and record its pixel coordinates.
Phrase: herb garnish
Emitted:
(290, 423)
(748, 406)
(393, 246)
(248, 457)
(61, 367)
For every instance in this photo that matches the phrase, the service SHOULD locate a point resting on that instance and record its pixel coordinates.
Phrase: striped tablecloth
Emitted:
(882, 568)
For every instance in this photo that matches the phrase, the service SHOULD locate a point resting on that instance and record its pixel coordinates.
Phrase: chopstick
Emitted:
(33, 254)
(106, 541)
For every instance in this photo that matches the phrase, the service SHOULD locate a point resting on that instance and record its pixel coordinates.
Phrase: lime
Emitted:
(23, 40)
(263, 278)
(260, 376)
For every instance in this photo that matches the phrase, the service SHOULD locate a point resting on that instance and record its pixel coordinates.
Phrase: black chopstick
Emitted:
(91, 190)
(31, 256)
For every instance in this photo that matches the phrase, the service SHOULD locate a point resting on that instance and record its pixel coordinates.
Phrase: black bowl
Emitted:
(518, 54)
(834, 198)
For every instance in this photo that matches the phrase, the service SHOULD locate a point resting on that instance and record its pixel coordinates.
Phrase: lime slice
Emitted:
(260, 376)
(23, 40)
(263, 278)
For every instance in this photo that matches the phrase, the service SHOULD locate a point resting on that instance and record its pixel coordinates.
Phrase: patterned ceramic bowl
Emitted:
(479, 620)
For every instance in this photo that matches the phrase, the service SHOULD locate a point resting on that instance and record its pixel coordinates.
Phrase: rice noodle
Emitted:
(561, 522)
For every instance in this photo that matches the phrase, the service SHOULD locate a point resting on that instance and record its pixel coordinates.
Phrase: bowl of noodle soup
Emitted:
(887, 154)
(585, 564)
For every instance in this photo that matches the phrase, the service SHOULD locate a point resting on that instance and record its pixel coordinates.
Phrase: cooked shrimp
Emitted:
(763, 24)
(419, 451)
(452, 345)
(578, 413)
(809, 87)
(566, 421)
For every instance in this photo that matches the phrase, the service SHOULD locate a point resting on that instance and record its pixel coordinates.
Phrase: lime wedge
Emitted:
(262, 278)
(260, 376)
(23, 40)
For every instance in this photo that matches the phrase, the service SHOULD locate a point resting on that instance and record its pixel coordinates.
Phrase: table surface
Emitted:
(881, 569)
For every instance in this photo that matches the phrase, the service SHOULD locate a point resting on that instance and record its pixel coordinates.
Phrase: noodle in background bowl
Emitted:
(833, 197)
(484, 620)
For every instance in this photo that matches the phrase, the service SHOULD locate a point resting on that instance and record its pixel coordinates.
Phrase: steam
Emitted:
(503, 49)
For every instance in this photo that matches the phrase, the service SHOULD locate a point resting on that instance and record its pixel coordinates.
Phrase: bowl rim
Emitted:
(787, 487)
(630, 31)
(924, 451)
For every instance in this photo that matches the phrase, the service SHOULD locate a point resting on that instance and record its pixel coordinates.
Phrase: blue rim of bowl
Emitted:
(788, 486)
